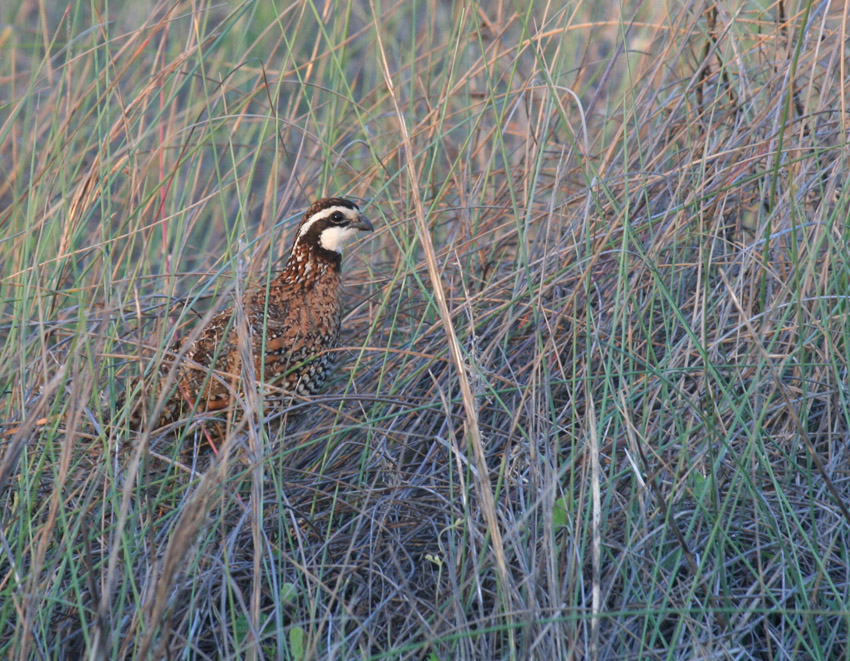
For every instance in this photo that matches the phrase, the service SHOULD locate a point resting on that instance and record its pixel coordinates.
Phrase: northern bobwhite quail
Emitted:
(291, 326)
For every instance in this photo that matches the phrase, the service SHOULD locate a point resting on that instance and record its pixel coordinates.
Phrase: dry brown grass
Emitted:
(593, 399)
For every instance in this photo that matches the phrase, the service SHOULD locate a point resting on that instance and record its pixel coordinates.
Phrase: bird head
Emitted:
(331, 223)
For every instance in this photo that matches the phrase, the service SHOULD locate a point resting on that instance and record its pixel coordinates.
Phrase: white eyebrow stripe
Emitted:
(321, 215)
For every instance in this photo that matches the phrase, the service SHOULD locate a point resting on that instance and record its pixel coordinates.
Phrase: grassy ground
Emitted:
(593, 398)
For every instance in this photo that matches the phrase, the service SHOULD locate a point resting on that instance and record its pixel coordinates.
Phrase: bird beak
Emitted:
(362, 223)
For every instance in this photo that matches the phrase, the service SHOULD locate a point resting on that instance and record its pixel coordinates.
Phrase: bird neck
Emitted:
(308, 264)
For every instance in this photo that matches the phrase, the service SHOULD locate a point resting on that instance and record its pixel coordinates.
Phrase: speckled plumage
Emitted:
(291, 327)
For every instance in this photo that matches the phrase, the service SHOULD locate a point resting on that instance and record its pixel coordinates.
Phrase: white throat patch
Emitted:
(334, 238)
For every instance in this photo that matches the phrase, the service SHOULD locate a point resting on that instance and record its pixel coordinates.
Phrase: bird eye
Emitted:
(337, 217)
